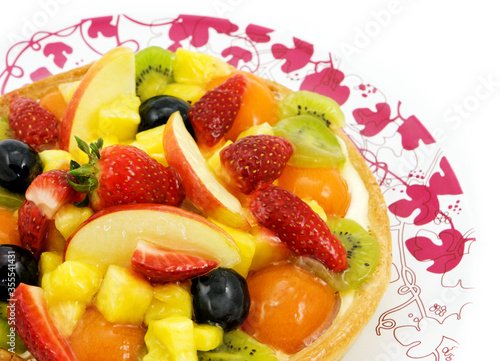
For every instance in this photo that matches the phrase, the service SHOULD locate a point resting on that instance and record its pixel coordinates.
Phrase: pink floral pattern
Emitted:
(427, 301)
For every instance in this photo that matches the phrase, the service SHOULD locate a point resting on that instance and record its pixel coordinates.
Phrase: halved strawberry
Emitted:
(255, 161)
(213, 115)
(50, 190)
(36, 328)
(33, 124)
(297, 225)
(33, 226)
(160, 264)
(124, 174)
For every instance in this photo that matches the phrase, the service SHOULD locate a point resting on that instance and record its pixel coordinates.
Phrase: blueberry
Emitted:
(156, 110)
(19, 165)
(220, 298)
(17, 265)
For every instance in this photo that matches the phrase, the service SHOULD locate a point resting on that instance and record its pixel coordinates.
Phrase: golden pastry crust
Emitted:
(335, 342)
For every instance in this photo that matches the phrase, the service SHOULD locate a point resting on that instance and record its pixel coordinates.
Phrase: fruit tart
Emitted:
(164, 205)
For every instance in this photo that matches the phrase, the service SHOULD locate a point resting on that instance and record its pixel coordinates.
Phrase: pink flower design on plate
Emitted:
(412, 131)
(445, 256)
(197, 27)
(59, 51)
(102, 25)
(374, 121)
(296, 57)
(259, 34)
(237, 54)
(327, 82)
(425, 198)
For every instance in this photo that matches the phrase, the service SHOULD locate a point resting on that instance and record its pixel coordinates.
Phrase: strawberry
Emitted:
(159, 264)
(254, 162)
(35, 327)
(124, 174)
(33, 227)
(50, 190)
(213, 115)
(33, 124)
(297, 225)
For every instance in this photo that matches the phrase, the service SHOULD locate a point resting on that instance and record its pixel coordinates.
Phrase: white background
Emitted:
(433, 55)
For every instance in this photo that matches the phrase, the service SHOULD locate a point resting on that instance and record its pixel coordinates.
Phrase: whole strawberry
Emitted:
(124, 174)
(297, 225)
(255, 161)
(33, 124)
(213, 115)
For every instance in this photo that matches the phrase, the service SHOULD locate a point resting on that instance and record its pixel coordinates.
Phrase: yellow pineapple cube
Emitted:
(246, 245)
(197, 68)
(176, 337)
(69, 217)
(121, 117)
(66, 315)
(67, 89)
(72, 281)
(169, 300)
(207, 337)
(48, 262)
(190, 93)
(124, 296)
(54, 159)
(152, 139)
(264, 128)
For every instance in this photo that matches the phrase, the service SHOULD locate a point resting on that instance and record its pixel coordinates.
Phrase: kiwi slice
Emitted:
(238, 345)
(153, 71)
(10, 200)
(5, 131)
(363, 252)
(306, 102)
(314, 144)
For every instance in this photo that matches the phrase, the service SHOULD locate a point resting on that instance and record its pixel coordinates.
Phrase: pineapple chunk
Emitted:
(197, 68)
(67, 90)
(264, 128)
(208, 337)
(246, 245)
(316, 208)
(49, 261)
(54, 159)
(69, 217)
(66, 315)
(124, 296)
(152, 139)
(72, 281)
(190, 93)
(121, 117)
(171, 339)
(169, 300)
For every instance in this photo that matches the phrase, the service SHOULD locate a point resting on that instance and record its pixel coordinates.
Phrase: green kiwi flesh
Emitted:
(5, 131)
(363, 252)
(238, 346)
(314, 144)
(10, 200)
(305, 102)
(153, 71)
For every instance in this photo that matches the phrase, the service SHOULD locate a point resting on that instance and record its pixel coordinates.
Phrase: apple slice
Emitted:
(108, 78)
(111, 235)
(200, 184)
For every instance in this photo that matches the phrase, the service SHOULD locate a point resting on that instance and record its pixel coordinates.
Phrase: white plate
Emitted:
(426, 306)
